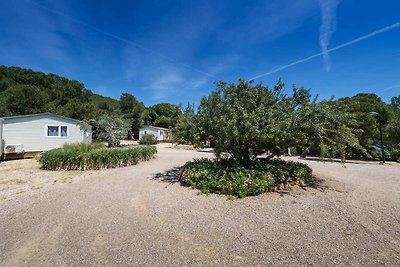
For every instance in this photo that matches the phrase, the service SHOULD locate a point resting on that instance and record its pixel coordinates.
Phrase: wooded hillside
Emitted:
(24, 91)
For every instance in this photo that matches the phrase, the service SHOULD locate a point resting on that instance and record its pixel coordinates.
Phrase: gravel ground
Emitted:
(141, 216)
(23, 176)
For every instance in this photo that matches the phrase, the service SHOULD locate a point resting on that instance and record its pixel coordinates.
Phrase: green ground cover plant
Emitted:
(227, 177)
(148, 139)
(93, 157)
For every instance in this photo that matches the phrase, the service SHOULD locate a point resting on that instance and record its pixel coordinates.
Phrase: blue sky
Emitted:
(173, 51)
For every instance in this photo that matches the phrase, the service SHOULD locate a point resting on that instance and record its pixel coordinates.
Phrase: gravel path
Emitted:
(141, 216)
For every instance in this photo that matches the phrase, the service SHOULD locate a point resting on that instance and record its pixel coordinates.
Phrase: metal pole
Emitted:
(382, 148)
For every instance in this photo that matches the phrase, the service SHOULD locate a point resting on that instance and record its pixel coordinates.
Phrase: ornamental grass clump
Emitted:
(93, 157)
(148, 139)
(226, 177)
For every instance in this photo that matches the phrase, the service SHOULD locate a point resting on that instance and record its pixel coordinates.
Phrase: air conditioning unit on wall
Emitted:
(13, 148)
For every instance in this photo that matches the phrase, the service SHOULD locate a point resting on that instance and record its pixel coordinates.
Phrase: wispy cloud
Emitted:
(328, 27)
(359, 39)
(159, 81)
(35, 39)
(388, 88)
(161, 65)
(265, 20)
(160, 55)
(165, 84)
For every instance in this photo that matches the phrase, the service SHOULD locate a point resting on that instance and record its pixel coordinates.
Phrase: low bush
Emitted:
(225, 177)
(92, 158)
(148, 139)
(395, 152)
(83, 147)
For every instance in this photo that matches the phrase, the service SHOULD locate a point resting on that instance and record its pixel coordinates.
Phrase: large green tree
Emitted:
(186, 128)
(163, 115)
(328, 130)
(133, 112)
(127, 102)
(246, 120)
(360, 106)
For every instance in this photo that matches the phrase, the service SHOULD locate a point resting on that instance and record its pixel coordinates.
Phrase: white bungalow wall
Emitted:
(153, 131)
(31, 132)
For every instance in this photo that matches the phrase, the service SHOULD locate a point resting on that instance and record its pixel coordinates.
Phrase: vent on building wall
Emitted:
(14, 149)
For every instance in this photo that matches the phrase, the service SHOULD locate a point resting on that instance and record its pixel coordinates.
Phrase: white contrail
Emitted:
(359, 39)
(119, 38)
(328, 27)
(388, 88)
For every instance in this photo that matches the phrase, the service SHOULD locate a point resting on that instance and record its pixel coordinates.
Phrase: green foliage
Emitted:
(148, 139)
(127, 102)
(329, 130)
(359, 106)
(395, 152)
(136, 119)
(24, 99)
(134, 112)
(162, 115)
(246, 121)
(367, 127)
(392, 128)
(77, 110)
(83, 147)
(226, 177)
(395, 101)
(110, 129)
(243, 120)
(93, 157)
(185, 131)
(23, 91)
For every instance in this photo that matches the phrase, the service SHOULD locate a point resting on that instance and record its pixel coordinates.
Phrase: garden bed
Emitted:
(93, 157)
(226, 177)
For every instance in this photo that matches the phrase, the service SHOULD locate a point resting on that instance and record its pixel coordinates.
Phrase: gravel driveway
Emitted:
(141, 216)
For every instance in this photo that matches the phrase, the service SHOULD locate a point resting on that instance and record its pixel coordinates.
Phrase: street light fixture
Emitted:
(374, 113)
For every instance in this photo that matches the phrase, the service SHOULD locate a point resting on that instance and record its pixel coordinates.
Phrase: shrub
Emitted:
(148, 139)
(226, 177)
(83, 147)
(110, 129)
(395, 153)
(93, 157)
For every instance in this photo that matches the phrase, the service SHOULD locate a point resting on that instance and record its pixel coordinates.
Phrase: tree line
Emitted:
(242, 120)
(24, 91)
(245, 120)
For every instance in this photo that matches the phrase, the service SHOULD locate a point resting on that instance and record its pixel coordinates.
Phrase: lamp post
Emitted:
(374, 113)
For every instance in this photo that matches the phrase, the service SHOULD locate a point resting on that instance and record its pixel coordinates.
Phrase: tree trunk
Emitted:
(305, 152)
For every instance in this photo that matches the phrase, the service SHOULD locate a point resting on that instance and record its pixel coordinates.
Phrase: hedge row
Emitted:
(225, 177)
(94, 159)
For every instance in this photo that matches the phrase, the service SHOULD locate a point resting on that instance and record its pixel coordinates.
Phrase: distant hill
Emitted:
(24, 91)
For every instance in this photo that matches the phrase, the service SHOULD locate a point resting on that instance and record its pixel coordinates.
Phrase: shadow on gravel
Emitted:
(315, 184)
(348, 161)
(171, 176)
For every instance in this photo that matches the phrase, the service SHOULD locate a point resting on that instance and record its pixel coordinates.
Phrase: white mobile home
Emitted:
(27, 135)
(162, 134)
